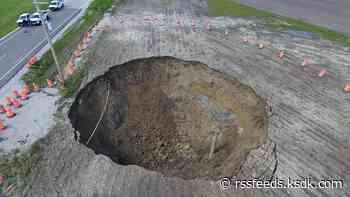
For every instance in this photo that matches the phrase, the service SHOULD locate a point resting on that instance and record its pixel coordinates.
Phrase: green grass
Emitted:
(65, 47)
(9, 12)
(232, 8)
(16, 169)
(73, 83)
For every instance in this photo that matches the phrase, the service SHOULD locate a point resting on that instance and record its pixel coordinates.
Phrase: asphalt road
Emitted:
(334, 14)
(28, 40)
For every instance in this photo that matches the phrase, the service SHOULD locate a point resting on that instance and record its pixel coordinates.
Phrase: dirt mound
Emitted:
(166, 114)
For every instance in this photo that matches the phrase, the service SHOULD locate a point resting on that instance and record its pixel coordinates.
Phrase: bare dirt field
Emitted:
(308, 121)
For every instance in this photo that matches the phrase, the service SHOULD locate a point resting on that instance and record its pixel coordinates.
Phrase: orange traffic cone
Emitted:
(36, 88)
(2, 127)
(347, 88)
(305, 62)
(77, 53)
(87, 37)
(8, 101)
(26, 89)
(9, 113)
(82, 46)
(16, 103)
(2, 109)
(33, 60)
(28, 65)
(50, 83)
(71, 70)
(322, 73)
(281, 54)
(15, 94)
(24, 96)
(87, 34)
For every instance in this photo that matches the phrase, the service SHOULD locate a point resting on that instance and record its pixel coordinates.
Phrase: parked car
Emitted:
(23, 19)
(36, 20)
(56, 5)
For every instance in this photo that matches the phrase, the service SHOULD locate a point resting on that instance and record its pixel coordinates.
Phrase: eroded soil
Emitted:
(163, 114)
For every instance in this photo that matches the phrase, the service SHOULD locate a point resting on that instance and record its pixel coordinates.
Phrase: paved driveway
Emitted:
(334, 14)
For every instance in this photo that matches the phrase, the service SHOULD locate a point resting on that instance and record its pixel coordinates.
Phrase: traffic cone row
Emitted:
(77, 53)
(306, 61)
(15, 101)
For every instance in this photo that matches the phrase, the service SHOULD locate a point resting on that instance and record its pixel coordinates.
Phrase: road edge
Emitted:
(2, 39)
(19, 65)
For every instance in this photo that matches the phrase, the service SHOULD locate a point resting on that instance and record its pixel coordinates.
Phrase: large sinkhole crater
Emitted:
(169, 115)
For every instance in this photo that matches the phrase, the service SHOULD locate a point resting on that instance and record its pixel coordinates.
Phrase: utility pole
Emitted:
(213, 142)
(49, 41)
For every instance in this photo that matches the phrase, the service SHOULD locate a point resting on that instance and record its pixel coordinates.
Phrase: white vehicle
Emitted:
(23, 19)
(56, 5)
(36, 20)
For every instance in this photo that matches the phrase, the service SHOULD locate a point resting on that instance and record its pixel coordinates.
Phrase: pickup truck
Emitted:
(36, 20)
(56, 5)
(23, 19)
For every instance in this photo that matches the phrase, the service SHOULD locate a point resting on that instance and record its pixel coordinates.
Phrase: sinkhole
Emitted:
(180, 118)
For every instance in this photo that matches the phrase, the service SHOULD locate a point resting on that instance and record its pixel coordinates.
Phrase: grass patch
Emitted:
(73, 83)
(16, 169)
(232, 8)
(9, 12)
(45, 68)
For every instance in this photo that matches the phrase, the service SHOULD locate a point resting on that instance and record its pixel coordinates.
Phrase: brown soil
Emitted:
(162, 115)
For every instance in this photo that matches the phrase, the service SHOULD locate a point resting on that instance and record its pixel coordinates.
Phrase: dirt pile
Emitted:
(163, 114)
